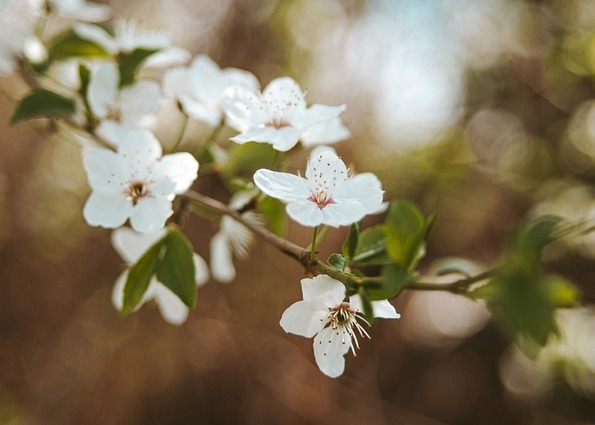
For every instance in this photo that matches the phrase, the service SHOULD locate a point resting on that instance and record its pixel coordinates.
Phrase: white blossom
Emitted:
(81, 10)
(132, 246)
(200, 88)
(329, 193)
(279, 115)
(120, 109)
(334, 323)
(135, 182)
(17, 25)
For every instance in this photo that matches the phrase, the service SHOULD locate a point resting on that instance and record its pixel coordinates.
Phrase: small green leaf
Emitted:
(393, 281)
(337, 261)
(274, 212)
(406, 231)
(176, 269)
(249, 157)
(129, 63)
(371, 247)
(42, 103)
(350, 243)
(139, 277)
(69, 44)
(531, 237)
(560, 291)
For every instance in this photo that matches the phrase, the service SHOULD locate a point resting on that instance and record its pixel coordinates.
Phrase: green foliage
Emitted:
(337, 261)
(248, 157)
(69, 44)
(371, 247)
(389, 285)
(42, 103)
(170, 259)
(129, 63)
(176, 268)
(367, 306)
(273, 211)
(350, 244)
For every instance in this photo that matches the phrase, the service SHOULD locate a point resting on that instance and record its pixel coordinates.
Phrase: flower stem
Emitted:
(313, 245)
(210, 140)
(181, 133)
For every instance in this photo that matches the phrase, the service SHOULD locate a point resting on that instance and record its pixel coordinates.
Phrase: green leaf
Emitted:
(249, 157)
(531, 237)
(139, 277)
(350, 244)
(176, 269)
(274, 212)
(371, 247)
(394, 279)
(337, 261)
(69, 44)
(367, 306)
(406, 231)
(129, 63)
(560, 291)
(42, 103)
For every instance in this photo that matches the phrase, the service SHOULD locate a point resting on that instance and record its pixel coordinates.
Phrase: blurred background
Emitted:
(482, 112)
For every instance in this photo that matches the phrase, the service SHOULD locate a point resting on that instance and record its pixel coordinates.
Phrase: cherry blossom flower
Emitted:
(334, 323)
(17, 24)
(120, 109)
(279, 115)
(200, 88)
(329, 194)
(132, 246)
(129, 36)
(135, 182)
(80, 9)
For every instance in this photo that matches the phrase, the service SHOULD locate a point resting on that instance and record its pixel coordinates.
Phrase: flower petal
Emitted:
(97, 35)
(201, 270)
(316, 114)
(305, 212)
(106, 172)
(173, 310)
(284, 186)
(305, 318)
(329, 349)
(343, 213)
(323, 286)
(149, 214)
(132, 245)
(364, 188)
(171, 56)
(140, 151)
(381, 309)
(181, 168)
(108, 211)
(139, 101)
(326, 132)
(81, 10)
(283, 91)
(102, 91)
(222, 267)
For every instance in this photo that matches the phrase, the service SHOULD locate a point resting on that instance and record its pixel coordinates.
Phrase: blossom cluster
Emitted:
(132, 180)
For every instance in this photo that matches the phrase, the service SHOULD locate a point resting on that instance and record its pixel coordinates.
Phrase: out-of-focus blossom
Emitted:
(80, 10)
(328, 195)
(132, 246)
(135, 182)
(200, 88)
(17, 24)
(280, 116)
(333, 322)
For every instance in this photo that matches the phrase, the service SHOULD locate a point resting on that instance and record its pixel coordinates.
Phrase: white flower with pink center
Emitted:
(335, 323)
(329, 193)
(135, 183)
(280, 116)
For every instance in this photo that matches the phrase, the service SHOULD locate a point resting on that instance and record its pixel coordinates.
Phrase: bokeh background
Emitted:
(482, 112)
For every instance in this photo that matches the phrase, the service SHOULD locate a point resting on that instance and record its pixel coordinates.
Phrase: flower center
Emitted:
(321, 198)
(137, 191)
(344, 320)
(114, 113)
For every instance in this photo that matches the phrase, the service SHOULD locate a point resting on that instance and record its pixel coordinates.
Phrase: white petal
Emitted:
(381, 309)
(201, 270)
(205, 75)
(115, 132)
(364, 188)
(240, 77)
(102, 91)
(329, 349)
(149, 214)
(222, 267)
(210, 114)
(176, 82)
(106, 211)
(305, 318)
(97, 35)
(343, 213)
(118, 291)
(305, 212)
(90, 12)
(106, 171)
(284, 186)
(140, 152)
(132, 245)
(325, 166)
(181, 168)
(173, 310)
(323, 287)
(284, 90)
(326, 132)
(242, 106)
(139, 101)
(316, 114)
(171, 56)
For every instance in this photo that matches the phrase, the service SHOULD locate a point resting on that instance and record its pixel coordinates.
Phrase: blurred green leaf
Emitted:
(406, 230)
(337, 261)
(392, 282)
(371, 247)
(529, 239)
(561, 292)
(350, 244)
(42, 103)
(69, 44)
(249, 157)
(274, 212)
(139, 276)
(129, 63)
(176, 269)
(367, 306)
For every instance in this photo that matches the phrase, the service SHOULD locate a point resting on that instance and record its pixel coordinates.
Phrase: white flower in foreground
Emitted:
(131, 246)
(328, 195)
(278, 116)
(17, 24)
(333, 322)
(200, 88)
(81, 10)
(135, 182)
(129, 36)
(119, 109)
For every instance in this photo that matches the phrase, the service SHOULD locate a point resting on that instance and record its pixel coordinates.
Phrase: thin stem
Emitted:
(313, 245)
(210, 140)
(181, 133)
